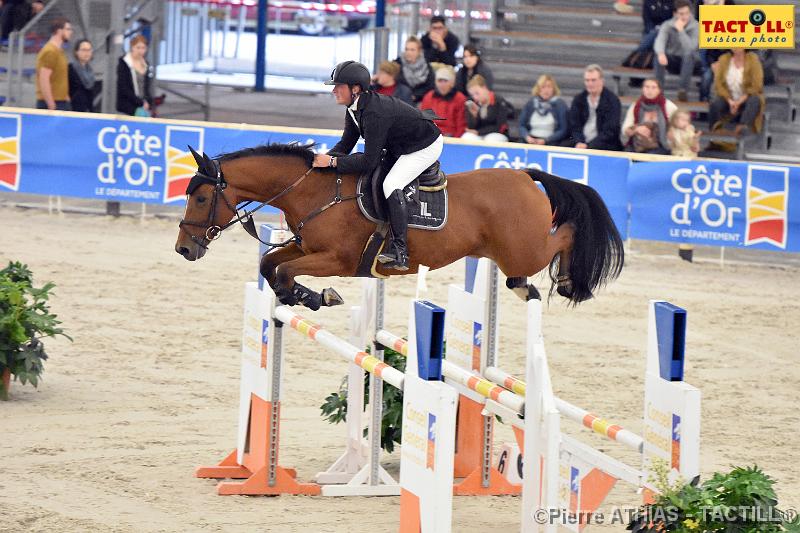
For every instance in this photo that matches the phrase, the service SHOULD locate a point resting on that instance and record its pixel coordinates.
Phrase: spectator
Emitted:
(683, 138)
(447, 102)
(544, 118)
(644, 129)
(487, 116)
(52, 78)
(15, 14)
(439, 44)
(676, 47)
(739, 86)
(709, 57)
(385, 82)
(594, 114)
(472, 64)
(134, 80)
(654, 13)
(81, 78)
(415, 70)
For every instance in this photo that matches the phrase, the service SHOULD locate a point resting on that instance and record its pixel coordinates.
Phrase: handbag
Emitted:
(141, 112)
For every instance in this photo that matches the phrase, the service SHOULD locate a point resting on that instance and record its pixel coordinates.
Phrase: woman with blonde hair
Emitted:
(414, 70)
(544, 118)
(487, 114)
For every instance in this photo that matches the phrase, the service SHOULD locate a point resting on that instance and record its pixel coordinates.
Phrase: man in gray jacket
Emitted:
(676, 47)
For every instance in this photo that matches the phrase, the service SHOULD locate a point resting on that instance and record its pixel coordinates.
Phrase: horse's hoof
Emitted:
(330, 297)
(564, 290)
(533, 293)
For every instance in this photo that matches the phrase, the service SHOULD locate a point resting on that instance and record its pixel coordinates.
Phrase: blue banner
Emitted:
(106, 158)
(139, 160)
(717, 203)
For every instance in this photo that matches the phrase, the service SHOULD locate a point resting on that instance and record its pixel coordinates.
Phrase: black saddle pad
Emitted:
(427, 203)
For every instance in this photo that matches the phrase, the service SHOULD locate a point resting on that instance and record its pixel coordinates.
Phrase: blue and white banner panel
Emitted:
(108, 158)
(718, 203)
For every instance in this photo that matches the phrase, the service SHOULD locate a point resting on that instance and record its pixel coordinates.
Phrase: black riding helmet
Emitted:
(350, 73)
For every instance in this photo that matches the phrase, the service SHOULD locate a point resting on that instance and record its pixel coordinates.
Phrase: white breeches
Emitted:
(409, 166)
(491, 137)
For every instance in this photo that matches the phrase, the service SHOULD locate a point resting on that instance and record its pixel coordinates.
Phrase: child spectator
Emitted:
(682, 136)
(385, 82)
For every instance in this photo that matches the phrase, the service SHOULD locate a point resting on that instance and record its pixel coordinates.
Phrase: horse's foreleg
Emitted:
(320, 264)
(270, 262)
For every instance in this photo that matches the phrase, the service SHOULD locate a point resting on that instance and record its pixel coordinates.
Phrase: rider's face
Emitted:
(342, 94)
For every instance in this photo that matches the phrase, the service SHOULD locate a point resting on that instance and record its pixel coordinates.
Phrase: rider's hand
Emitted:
(322, 160)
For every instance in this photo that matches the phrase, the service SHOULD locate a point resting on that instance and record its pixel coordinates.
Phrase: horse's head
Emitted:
(208, 209)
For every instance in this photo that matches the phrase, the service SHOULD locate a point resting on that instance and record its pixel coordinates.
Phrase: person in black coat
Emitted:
(134, 80)
(472, 65)
(440, 44)
(409, 136)
(594, 117)
(82, 83)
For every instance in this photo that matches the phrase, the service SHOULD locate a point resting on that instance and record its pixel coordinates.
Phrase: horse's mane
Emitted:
(303, 151)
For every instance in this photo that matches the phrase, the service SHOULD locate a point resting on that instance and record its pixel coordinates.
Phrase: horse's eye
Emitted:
(201, 199)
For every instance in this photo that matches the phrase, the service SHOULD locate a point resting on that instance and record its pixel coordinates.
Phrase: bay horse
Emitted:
(496, 213)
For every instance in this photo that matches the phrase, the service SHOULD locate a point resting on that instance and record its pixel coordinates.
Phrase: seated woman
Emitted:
(739, 85)
(414, 70)
(472, 65)
(385, 82)
(646, 123)
(544, 118)
(487, 117)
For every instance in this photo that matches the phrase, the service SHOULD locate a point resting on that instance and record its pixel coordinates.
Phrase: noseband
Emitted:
(214, 231)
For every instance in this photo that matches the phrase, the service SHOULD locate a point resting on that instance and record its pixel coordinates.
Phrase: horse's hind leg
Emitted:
(524, 290)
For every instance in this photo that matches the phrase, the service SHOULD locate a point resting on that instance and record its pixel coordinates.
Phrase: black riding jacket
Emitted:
(383, 122)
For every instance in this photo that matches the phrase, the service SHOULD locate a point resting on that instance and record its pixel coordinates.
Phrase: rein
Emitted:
(213, 231)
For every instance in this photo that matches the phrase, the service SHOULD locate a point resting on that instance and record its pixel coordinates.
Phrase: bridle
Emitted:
(214, 231)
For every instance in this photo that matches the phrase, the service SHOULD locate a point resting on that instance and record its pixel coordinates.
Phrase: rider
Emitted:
(408, 135)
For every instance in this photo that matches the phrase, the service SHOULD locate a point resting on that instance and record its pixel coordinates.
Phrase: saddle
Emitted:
(426, 199)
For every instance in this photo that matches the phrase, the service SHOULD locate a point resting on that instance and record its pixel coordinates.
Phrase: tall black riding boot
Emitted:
(397, 255)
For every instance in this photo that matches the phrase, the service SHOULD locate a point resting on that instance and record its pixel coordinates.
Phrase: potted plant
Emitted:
(25, 319)
(740, 501)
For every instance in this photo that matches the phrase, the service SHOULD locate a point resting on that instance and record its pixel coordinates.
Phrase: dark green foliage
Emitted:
(741, 501)
(334, 410)
(25, 319)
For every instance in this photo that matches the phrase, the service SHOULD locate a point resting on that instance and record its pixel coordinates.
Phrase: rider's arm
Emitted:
(349, 138)
(376, 129)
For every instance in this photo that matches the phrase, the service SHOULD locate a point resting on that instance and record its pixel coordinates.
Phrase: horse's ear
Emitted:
(197, 157)
(207, 162)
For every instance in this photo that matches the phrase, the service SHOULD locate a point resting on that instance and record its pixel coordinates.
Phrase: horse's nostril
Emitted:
(184, 251)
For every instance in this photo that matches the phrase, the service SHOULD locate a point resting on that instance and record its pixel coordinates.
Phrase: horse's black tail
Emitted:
(597, 253)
